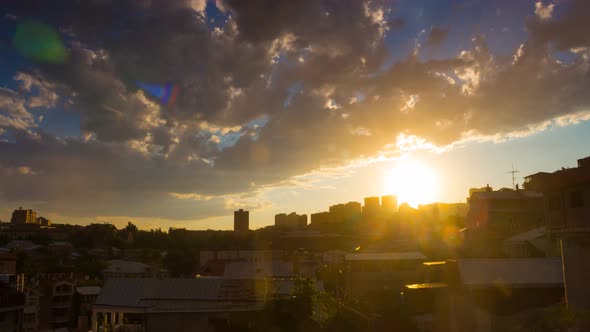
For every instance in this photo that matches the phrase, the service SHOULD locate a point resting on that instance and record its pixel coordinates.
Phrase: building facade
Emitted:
(22, 216)
(567, 205)
(241, 221)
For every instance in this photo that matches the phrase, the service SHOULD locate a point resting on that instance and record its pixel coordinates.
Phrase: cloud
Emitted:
(566, 32)
(542, 11)
(437, 35)
(249, 114)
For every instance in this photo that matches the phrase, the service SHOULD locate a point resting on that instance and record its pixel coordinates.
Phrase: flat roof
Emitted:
(181, 294)
(518, 272)
(385, 256)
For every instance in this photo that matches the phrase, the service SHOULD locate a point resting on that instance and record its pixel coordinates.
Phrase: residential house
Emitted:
(198, 304)
(567, 206)
(487, 295)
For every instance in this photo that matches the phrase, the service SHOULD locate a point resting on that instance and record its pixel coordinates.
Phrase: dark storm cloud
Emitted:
(316, 71)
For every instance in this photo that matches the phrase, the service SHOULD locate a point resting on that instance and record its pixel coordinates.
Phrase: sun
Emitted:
(413, 182)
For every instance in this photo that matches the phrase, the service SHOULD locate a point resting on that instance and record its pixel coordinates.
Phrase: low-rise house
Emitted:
(533, 243)
(49, 301)
(84, 299)
(128, 269)
(247, 270)
(375, 272)
(487, 295)
(567, 205)
(199, 304)
(497, 215)
(253, 256)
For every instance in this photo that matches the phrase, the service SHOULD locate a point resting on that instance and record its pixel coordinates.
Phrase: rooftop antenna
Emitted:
(513, 172)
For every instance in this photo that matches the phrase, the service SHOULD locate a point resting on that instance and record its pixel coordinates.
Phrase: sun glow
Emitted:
(413, 182)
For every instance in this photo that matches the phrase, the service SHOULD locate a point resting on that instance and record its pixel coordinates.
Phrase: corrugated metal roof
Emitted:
(529, 235)
(385, 256)
(523, 272)
(247, 270)
(151, 292)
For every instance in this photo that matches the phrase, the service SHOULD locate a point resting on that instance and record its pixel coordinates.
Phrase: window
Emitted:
(576, 199)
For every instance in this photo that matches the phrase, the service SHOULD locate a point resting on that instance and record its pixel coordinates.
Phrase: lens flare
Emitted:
(166, 94)
(39, 42)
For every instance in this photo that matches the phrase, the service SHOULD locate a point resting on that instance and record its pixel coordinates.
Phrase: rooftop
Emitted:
(529, 235)
(181, 294)
(246, 270)
(506, 194)
(517, 272)
(120, 266)
(385, 256)
(88, 290)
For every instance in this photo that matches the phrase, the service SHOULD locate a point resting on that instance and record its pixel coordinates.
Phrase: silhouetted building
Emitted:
(345, 212)
(195, 304)
(389, 204)
(372, 205)
(567, 205)
(486, 295)
(85, 298)
(21, 216)
(12, 303)
(339, 218)
(497, 215)
(241, 221)
(321, 218)
(43, 221)
(291, 220)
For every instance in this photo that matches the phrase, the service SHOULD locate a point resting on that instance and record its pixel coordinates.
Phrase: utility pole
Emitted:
(513, 172)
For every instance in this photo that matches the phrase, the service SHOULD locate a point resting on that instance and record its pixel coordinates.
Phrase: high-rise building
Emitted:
(372, 205)
(321, 218)
(291, 220)
(389, 204)
(43, 221)
(241, 221)
(21, 216)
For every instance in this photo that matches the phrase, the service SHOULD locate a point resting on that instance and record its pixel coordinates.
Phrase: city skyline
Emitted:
(239, 108)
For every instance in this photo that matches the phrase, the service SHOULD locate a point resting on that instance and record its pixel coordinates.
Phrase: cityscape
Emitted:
(294, 166)
(498, 262)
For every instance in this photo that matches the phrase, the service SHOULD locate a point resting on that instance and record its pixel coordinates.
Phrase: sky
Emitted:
(176, 113)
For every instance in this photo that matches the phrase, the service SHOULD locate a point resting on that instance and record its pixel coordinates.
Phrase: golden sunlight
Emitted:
(413, 182)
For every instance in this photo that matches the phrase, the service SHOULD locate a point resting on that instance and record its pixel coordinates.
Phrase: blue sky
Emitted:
(290, 107)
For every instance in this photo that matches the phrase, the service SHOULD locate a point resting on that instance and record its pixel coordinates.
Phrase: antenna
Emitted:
(513, 172)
